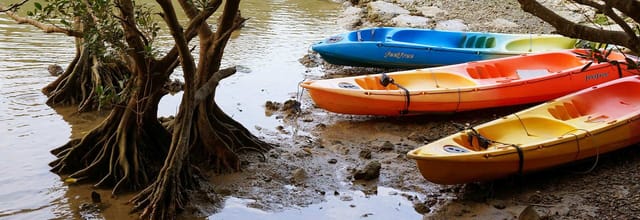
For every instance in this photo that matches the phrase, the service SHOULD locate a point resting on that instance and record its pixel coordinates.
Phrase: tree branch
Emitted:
(193, 13)
(187, 60)
(210, 86)
(623, 24)
(628, 7)
(568, 28)
(47, 28)
(191, 31)
(222, 35)
(132, 35)
(608, 11)
(13, 6)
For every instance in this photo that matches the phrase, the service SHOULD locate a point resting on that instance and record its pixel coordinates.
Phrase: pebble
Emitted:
(298, 175)
(387, 146)
(366, 154)
(369, 172)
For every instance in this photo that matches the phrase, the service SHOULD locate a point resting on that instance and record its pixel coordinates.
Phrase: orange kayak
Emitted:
(462, 87)
(580, 125)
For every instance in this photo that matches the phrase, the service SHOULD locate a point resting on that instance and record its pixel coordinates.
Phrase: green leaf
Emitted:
(601, 19)
(38, 5)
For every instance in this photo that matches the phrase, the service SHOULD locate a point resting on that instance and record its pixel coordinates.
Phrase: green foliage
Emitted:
(97, 20)
(601, 19)
(148, 26)
(107, 96)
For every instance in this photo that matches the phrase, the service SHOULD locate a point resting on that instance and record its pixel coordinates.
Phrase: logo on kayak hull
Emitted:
(399, 55)
(596, 76)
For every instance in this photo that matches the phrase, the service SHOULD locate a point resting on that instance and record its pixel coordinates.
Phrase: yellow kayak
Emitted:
(580, 125)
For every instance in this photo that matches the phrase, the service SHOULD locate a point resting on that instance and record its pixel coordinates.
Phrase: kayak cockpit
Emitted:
(417, 81)
(540, 44)
(513, 130)
(613, 102)
(529, 67)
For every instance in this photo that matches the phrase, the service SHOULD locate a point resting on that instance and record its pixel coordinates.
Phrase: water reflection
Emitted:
(386, 204)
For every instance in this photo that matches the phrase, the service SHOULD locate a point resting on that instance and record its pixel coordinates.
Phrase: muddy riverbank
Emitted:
(320, 152)
(311, 173)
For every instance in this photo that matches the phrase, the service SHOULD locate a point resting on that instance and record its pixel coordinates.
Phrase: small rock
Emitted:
(302, 153)
(417, 136)
(298, 175)
(499, 205)
(350, 18)
(346, 198)
(366, 154)
(333, 161)
(529, 213)
(452, 25)
(291, 106)
(421, 208)
(383, 11)
(410, 21)
(371, 171)
(281, 129)
(272, 106)
(95, 197)
(55, 69)
(432, 12)
(387, 146)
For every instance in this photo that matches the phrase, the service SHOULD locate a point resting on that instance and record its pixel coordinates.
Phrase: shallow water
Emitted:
(386, 204)
(267, 49)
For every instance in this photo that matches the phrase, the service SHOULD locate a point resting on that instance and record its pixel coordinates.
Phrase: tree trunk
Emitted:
(203, 134)
(87, 83)
(125, 150)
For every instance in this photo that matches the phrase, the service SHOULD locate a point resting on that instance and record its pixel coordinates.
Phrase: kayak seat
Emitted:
(418, 80)
(533, 44)
(514, 130)
(566, 111)
(371, 34)
(373, 83)
(526, 67)
(489, 71)
(611, 101)
(477, 42)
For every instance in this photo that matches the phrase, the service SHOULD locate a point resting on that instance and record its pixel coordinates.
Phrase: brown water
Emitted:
(266, 50)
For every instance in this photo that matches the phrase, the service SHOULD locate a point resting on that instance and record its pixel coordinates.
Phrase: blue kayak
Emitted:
(414, 48)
